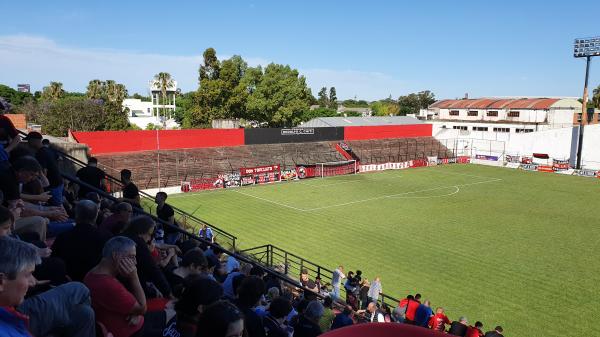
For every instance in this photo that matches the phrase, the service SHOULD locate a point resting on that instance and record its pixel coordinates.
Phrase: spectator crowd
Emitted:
(73, 263)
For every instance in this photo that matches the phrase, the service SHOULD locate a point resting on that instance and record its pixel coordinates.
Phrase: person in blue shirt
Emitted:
(423, 314)
(343, 319)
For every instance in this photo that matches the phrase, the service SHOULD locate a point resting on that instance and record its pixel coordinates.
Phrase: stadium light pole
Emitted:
(588, 48)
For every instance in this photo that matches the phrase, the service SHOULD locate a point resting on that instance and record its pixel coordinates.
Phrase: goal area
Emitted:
(336, 168)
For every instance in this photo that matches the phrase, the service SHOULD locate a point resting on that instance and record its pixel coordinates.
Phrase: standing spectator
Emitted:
(249, 294)
(119, 220)
(375, 290)
(91, 175)
(336, 282)
(221, 319)
(206, 233)
(16, 276)
(81, 247)
(411, 309)
(120, 310)
(423, 314)
(439, 320)
(363, 294)
(308, 323)
(459, 328)
(165, 212)
(141, 231)
(304, 277)
(274, 321)
(475, 331)
(343, 319)
(131, 193)
(497, 332)
(328, 315)
(47, 160)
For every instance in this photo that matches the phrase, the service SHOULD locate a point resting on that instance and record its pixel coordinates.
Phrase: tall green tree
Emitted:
(14, 97)
(210, 68)
(596, 97)
(164, 82)
(53, 92)
(333, 103)
(95, 89)
(323, 100)
(411, 103)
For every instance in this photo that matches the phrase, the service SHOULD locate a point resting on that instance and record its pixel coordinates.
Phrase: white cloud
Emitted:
(38, 60)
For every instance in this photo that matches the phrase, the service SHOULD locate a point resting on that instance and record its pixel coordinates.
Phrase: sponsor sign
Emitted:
(586, 173)
(230, 180)
(545, 168)
(463, 160)
(512, 159)
(297, 131)
(529, 167)
(301, 172)
(486, 157)
(245, 181)
(418, 163)
(526, 160)
(289, 174)
(432, 161)
(512, 165)
(260, 169)
(560, 165)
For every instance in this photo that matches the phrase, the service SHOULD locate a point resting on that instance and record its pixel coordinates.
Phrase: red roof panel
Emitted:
(496, 103)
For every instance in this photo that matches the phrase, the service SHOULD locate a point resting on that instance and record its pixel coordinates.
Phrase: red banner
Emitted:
(260, 169)
(545, 168)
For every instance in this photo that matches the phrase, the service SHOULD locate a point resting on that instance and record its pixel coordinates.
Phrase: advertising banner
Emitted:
(529, 167)
(545, 168)
(463, 160)
(512, 159)
(560, 164)
(289, 174)
(432, 161)
(526, 160)
(486, 157)
(418, 163)
(260, 169)
(230, 180)
(586, 173)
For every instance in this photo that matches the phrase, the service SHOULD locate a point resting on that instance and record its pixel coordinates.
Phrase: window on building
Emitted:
(492, 113)
(514, 114)
(501, 129)
(459, 127)
(473, 113)
(480, 128)
(523, 130)
(454, 113)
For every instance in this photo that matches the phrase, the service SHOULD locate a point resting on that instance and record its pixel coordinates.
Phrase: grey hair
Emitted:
(314, 310)
(86, 212)
(15, 256)
(118, 244)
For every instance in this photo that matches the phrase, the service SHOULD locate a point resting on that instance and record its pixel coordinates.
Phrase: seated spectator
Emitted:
(16, 276)
(120, 310)
(439, 320)
(119, 220)
(165, 212)
(459, 328)
(221, 319)
(141, 231)
(274, 321)
(328, 315)
(197, 295)
(343, 319)
(423, 314)
(308, 322)
(81, 248)
(399, 314)
(91, 175)
(373, 314)
(497, 332)
(192, 265)
(475, 331)
(232, 264)
(249, 294)
(228, 288)
(47, 159)
(131, 193)
(304, 277)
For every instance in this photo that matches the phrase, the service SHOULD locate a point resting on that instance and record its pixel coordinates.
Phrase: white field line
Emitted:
(399, 194)
(270, 201)
(456, 190)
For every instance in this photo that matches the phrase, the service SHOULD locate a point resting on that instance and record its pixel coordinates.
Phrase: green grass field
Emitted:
(509, 247)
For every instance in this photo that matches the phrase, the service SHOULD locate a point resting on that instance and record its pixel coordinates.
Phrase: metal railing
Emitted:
(292, 265)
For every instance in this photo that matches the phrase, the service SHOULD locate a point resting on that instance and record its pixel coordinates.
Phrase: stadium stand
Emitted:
(137, 285)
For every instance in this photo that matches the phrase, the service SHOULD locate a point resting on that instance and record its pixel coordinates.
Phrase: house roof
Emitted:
(359, 121)
(497, 103)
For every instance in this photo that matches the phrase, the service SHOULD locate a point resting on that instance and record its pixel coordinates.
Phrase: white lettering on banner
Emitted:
(297, 131)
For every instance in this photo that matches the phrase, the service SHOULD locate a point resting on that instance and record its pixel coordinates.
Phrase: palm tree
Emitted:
(596, 97)
(115, 92)
(164, 82)
(53, 92)
(96, 89)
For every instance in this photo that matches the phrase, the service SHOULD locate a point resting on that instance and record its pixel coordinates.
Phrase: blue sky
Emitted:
(368, 49)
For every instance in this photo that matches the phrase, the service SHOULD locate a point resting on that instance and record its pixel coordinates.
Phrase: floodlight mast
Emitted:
(588, 48)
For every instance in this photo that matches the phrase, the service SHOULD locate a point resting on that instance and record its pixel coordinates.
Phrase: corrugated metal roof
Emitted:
(496, 103)
(359, 121)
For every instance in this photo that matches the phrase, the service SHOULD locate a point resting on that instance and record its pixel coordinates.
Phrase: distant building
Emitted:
(142, 113)
(359, 121)
(364, 112)
(24, 88)
(168, 106)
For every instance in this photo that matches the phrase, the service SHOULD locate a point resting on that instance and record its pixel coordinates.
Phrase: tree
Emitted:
(412, 103)
(323, 99)
(95, 89)
(319, 112)
(596, 97)
(14, 97)
(53, 92)
(163, 81)
(210, 68)
(332, 99)
(71, 113)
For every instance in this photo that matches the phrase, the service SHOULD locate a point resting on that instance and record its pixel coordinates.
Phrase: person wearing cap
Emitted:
(459, 328)
(497, 332)
(47, 160)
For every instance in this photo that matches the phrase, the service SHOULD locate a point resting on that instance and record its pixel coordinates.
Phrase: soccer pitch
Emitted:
(507, 247)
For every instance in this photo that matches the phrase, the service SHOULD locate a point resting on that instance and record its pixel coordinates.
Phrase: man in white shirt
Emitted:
(336, 282)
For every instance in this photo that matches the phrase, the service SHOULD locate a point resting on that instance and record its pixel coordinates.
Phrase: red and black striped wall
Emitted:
(105, 142)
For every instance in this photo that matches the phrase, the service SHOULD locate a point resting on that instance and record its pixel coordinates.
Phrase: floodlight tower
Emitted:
(588, 48)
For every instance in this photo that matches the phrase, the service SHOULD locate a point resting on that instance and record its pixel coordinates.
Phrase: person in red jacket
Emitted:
(411, 309)
(439, 320)
(475, 331)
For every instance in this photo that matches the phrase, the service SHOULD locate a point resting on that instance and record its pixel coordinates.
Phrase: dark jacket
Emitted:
(148, 270)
